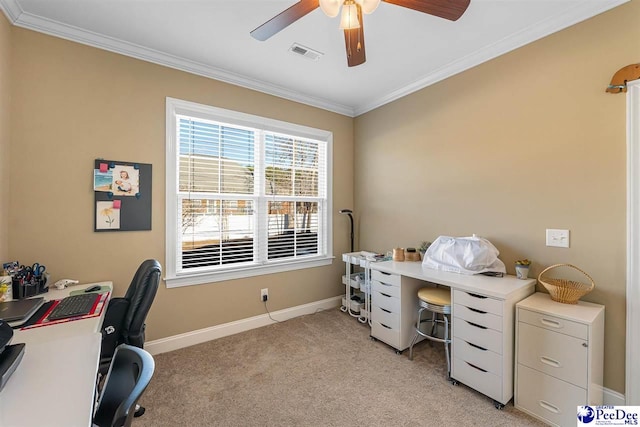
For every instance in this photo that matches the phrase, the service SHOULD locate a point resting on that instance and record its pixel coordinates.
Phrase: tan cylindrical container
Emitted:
(398, 254)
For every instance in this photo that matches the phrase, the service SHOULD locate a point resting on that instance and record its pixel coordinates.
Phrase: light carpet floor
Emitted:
(316, 370)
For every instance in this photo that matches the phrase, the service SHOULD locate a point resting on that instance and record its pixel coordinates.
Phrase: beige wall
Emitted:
(5, 80)
(73, 104)
(522, 143)
(525, 142)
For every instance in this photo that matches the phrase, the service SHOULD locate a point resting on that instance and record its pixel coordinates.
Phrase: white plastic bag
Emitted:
(465, 255)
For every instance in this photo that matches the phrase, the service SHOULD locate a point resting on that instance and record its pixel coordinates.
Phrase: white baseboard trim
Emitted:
(612, 397)
(187, 339)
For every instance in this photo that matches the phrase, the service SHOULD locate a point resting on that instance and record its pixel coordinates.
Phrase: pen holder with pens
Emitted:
(28, 287)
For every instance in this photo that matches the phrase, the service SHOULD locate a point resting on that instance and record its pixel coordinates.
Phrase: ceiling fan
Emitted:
(351, 19)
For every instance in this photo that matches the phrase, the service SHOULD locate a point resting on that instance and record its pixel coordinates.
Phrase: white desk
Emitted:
(495, 287)
(55, 382)
(482, 320)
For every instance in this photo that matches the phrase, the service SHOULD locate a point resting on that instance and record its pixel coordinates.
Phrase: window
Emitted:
(246, 195)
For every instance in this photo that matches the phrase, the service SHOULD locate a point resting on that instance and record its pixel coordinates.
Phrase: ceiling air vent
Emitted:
(308, 53)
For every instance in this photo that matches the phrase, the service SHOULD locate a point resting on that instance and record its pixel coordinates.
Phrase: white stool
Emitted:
(437, 301)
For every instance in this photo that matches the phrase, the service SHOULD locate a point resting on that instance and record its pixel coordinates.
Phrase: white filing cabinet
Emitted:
(559, 358)
(483, 344)
(394, 308)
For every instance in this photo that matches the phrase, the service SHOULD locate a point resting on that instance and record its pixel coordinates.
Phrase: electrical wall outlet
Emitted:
(558, 238)
(264, 294)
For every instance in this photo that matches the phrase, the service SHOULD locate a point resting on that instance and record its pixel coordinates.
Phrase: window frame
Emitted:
(175, 278)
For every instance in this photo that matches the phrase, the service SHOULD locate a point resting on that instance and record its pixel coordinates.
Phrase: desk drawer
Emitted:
(480, 336)
(549, 398)
(478, 317)
(385, 288)
(553, 323)
(477, 378)
(385, 301)
(480, 357)
(561, 356)
(385, 317)
(388, 278)
(479, 302)
(386, 333)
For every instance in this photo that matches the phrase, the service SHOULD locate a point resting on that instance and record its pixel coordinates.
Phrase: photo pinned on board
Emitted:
(126, 181)
(102, 181)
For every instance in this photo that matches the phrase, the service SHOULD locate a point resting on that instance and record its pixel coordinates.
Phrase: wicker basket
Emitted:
(565, 291)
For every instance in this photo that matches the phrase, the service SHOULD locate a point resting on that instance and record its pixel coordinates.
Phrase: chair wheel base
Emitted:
(139, 411)
(499, 406)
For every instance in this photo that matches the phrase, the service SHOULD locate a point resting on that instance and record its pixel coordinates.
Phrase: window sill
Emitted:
(177, 281)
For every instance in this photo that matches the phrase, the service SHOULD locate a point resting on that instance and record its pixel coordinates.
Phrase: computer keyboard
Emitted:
(75, 305)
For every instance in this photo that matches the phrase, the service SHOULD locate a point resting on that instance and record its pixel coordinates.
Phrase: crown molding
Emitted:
(11, 9)
(576, 14)
(78, 35)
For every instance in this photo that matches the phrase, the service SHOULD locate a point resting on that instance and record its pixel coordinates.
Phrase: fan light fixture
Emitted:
(349, 18)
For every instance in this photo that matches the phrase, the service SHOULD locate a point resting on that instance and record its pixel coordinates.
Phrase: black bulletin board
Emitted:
(119, 207)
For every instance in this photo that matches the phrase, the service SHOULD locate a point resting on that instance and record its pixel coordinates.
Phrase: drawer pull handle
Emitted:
(385, 273)
(474, 366)
(385, 284)
(549, 407)
(385, 295)
(551, 362)
(385, 326)
(476, 325)
(475, 310)
(385, 310)
(476, 346)
(550, 323)
(476, 295)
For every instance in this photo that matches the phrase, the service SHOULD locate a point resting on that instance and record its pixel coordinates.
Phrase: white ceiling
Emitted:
(406, 50)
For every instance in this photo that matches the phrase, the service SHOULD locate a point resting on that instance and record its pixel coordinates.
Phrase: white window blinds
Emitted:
(215, 185)
(293, 179)
(246, 197)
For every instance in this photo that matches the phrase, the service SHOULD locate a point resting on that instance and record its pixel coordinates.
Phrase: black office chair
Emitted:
(125, 317)
(128, 376)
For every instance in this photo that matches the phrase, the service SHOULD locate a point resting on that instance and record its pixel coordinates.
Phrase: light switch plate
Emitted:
(558, 238)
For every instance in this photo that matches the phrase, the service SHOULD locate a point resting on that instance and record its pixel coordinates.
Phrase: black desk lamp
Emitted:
(349, 212)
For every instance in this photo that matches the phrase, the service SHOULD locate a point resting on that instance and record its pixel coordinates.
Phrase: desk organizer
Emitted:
(412, 256)
(23, 288)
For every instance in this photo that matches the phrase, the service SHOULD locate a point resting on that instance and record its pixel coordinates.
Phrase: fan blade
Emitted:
(354, 42)
(284, 19)
(447, 9)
